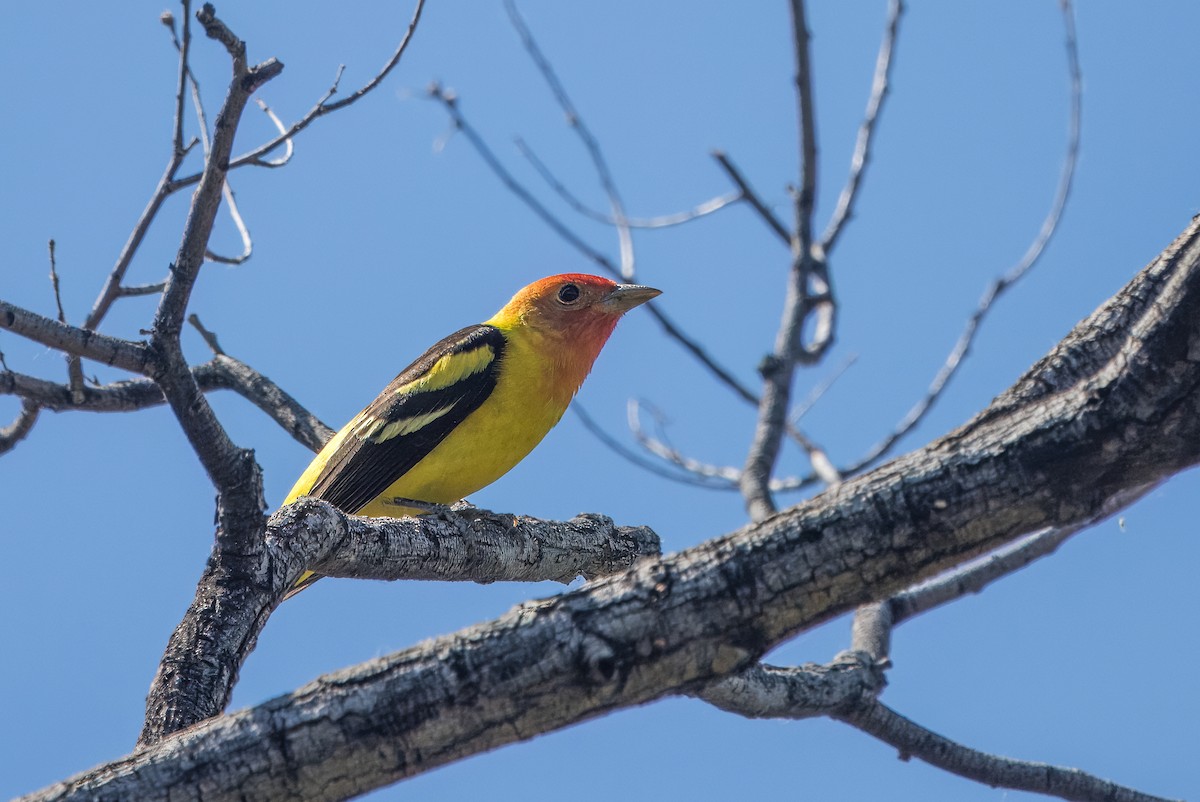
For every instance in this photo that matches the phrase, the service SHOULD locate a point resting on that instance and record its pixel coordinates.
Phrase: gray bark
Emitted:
(1114, 408)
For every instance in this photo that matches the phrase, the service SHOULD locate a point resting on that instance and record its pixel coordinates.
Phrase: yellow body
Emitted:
(526, 404)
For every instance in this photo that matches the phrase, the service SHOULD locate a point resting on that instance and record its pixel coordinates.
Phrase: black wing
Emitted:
(414, 413)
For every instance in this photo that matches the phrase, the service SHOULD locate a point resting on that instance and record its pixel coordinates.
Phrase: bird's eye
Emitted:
(569, 293)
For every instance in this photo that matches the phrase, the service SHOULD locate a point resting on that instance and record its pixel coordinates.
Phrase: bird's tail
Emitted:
(306, 579)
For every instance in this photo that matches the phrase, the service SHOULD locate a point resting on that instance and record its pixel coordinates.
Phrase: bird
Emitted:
(472, 406)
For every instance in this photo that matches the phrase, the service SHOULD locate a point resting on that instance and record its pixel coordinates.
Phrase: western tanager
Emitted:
(473, 405)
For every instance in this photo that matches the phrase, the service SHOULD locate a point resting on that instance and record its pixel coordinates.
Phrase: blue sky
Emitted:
(386, 232)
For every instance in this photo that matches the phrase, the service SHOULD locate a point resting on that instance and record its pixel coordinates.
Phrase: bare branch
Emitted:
(661, 221)
(974, 576)
(62, 316)
(289, 146)
(590, 143)
(16, 431)
(913, 740)
(846, 689)
(322, 107)
(222, 373)
(227, 189)
(184, 47)
(141, 289)
(806, 194)
(74, 368)
(632, 456)
(862, 145)
(751, 197)
(713, 475)
(196, 674)
(69, 339)
(809, 294)
(451, 103)
(236, 216)
(766, 691)
(210, 339)
(1004, 282)
(1064, 445)
(818, 391)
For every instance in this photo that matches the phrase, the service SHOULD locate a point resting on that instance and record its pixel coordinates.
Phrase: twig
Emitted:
(715, 475)
(74, 366)
(862, 145)
(751, 197)
(806, 194)
(451, 103)
(808, 292)
(590, 143)
(16, 431)
(322, 107)
(660, 221)
(632, 456)
(913, 740)
(107, 350)
(818, 391)
(1004, 282)
(221, 373)
(289, 146)
(227, 189)
(112, 289)
(141, 289)
(184, 46)
(209, 338)
(62, 316)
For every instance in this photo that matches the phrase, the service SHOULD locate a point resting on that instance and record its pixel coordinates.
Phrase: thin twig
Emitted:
(289, 146)
(660, 221)
(16, 431)
(451, 103)
(62, 316)
(862, 145)
(590, 143)
(209, 337)
(323, 106)
(808, 292)
(1004, 282)
(818, 391)
(750, 196)
(227, 190)
(628, 454)
(74, 366)
(806, 195)
(716, 475)
(112, 289)
(913, 740)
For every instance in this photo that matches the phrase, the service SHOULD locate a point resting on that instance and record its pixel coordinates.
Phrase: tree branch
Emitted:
(913, 740)
(202, 660)
(131, 356)
(1067, 443)
(862, 145)
(17, 431)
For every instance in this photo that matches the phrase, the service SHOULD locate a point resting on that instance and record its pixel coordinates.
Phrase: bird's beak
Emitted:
(624, 297)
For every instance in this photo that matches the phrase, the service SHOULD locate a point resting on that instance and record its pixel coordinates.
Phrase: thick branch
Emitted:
(204, 655)
(1115, 406)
